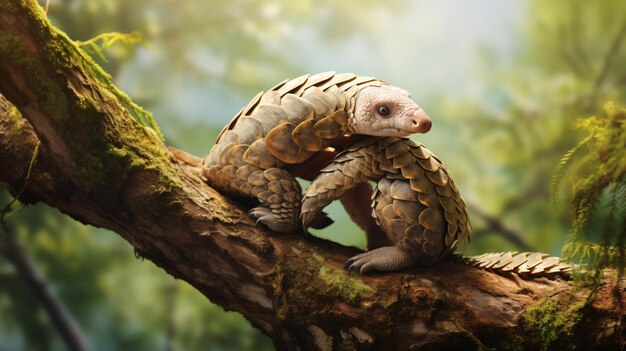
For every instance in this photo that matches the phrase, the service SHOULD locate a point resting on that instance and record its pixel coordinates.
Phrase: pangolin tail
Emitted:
(525, 264)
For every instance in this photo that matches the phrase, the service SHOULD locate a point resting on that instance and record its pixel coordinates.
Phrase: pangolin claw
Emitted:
(259, 212)
(384, 259)
(266, 217)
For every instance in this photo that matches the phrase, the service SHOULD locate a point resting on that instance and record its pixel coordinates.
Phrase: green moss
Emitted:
(15, 119)
(325, 286)
(314, 261)
(344, 286)
(336, 282)
(553, 322)
(104, 140)
(12, 48)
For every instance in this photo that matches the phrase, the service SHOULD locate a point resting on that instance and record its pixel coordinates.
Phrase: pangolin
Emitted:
(301, 125)
(294, 129)
(416, 203)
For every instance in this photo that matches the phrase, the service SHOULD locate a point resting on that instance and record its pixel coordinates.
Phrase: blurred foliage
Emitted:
(201, 61)
(519, 121)
(599, 193)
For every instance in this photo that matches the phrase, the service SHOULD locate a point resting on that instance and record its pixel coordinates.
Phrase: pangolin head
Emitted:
(387, 111)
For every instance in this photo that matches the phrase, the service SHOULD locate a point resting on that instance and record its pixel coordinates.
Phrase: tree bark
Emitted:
(100, 166)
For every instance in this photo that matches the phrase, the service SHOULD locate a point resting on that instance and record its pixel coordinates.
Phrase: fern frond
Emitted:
(562, 168)
(106, 40)
(608, 227)
(590, 252)
(621, 200)
(607, 160)
(585, 202)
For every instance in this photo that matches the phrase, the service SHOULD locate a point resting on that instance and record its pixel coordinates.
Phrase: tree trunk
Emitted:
(100, 166)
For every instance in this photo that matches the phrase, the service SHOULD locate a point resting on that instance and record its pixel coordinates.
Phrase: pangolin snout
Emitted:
(420, 121)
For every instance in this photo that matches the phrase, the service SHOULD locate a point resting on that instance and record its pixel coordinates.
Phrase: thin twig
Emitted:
(110, 38)
(7, 208)
(14, 252)
(496, 226)
(608, 59)
(60, 317)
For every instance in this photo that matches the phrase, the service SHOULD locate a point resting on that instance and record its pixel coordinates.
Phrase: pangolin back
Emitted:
(287, 124)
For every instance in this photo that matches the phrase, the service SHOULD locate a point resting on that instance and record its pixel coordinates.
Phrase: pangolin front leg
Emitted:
(397, 209)
(383, 259)
(345, 176)
(339, 177)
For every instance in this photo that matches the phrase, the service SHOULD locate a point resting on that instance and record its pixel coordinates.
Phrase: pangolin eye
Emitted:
(383, 110)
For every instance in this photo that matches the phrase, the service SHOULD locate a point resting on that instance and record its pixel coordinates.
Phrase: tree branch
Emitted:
(614, 49)
(100, 166)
